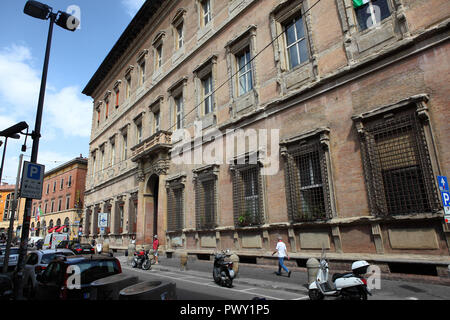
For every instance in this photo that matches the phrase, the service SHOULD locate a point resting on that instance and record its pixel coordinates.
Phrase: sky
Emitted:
(74, 58)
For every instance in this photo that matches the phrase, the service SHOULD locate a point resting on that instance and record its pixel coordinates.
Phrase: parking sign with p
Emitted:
(32, 180)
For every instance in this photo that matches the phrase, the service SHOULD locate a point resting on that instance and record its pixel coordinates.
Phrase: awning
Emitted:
(60, 229)
(52, 229)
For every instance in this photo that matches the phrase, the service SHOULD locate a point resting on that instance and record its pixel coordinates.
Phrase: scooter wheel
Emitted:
(315, 294)
(133, 264)
(146, 265)
(216, 276)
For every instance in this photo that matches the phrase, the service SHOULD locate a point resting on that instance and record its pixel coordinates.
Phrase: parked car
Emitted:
(53, 282)
(6, 287)
(13, 257)
(67, 244)
(33, 240)
(36, 262)
(84, 248)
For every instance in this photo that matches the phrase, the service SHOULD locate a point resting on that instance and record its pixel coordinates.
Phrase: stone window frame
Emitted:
(155, 108)
(177, 182)
(234, 47)
(98, 110)
(102, 150)
(94, 163)
(106, 102)
(138, 122)
(209, 67)
(112, 148)
(361, 43)
(238, 166)
(142, 59)
(128, 81)
(124, 132)
(177, 21)
(201, 11)
(415, 106)
(317, 140)
(203, 174)
(117, 93)
(158, 42)
(291, 79)
(176, 90)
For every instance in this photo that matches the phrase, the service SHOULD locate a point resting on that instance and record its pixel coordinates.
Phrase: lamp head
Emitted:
(67, 21)
(37, 10)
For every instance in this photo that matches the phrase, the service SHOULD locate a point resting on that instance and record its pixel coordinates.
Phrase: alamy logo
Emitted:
(74, 277)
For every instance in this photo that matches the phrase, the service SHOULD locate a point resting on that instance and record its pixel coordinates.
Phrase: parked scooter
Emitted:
(141, 260)
(223, 272)
(350, 285)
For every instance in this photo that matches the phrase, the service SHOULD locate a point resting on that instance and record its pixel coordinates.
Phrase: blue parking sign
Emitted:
(443, 183)
(445, 198)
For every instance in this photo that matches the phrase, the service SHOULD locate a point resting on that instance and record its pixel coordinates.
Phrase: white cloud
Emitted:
(132, 6)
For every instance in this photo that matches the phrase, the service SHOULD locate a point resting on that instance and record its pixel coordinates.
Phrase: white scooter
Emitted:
(351, 285)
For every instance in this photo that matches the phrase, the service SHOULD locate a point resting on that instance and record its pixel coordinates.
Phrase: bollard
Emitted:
(183, 261)
(150, 290)
(108, 288)
(235, 259)
(312, 266)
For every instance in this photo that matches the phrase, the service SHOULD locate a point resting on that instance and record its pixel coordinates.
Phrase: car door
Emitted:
(50, 282)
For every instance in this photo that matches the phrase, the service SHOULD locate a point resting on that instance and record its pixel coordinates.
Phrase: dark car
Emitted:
(6, 287)
(70, 278)
(82, 248)
(67, 244)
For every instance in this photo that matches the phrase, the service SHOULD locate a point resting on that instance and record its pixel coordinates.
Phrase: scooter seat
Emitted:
(341, 275)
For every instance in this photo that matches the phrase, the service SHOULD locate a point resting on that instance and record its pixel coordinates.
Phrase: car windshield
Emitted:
(46, 258)
(94, 270)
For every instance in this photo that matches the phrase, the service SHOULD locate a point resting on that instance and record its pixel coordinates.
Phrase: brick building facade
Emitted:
(62, 199)
(352, 102)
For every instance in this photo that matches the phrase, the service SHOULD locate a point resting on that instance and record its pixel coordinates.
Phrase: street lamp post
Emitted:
(62, 19)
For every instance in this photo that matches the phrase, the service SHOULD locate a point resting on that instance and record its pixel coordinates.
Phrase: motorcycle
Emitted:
(350, 285)
(141, 260)
(223, 272)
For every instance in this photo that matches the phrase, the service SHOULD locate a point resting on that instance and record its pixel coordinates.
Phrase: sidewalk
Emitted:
(252, 275)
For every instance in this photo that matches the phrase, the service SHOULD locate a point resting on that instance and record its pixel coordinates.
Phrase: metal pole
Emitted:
(18, 288)
(3, 160)
(12, 217)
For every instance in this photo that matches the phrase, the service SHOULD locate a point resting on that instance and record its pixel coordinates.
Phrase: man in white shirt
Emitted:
(282, 253)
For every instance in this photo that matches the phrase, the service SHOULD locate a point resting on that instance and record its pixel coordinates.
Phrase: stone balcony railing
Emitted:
(160, 141)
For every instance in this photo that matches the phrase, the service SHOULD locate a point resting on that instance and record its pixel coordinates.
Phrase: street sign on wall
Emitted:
(445, 195)
(32, 180)
(102, 219)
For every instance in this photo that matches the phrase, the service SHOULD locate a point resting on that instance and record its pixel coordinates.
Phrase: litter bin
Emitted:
(150, 290)
(108, 288)
(312, 266)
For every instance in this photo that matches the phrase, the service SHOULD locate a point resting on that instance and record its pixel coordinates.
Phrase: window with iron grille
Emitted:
(205, 199)
(397, 165)
(247, 195)
(307, 187)
(175, 205)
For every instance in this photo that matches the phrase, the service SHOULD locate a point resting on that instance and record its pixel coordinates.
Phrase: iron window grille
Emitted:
(307, 185)
(175, 205)
(247, 195)
(205, 185)
(397, 166)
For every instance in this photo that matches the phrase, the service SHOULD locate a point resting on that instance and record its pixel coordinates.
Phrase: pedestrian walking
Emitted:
(155, 247)
(282, 253)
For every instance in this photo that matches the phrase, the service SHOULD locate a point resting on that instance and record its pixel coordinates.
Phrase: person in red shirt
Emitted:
(155, 247)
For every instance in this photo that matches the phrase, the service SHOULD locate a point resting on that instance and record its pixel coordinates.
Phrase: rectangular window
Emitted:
(67, 202)
(158, 57)
(296, 46)
(247, 195)
(205, 201)
(98, 116)
(206, 12)
(102, 160)
(48, 186)
(142, 72)
(307, 181)
(113, 153)
(128, 87)
(106, 109)
(45, 207)
(69, 183)
(370, 12)
(245, 77)
(61, 186)
(54, 186)
(207, 89)
(53, 206)
(117, 91)
(179, 112)
(139, 132)
(156, 119)
(180, 36)
(175, 207)
(397, 166)
(59, 204)
(124, 146)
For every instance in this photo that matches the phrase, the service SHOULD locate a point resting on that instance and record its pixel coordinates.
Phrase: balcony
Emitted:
(160, 141)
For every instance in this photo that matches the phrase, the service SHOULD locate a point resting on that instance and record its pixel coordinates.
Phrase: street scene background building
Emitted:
(6, 210)
(359, 96)
(61, 205)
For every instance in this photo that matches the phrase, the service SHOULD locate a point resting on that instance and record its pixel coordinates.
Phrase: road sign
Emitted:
(102, 219)
(443, 183)
(32, 180)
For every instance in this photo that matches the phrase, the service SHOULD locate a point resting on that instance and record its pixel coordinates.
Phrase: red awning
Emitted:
(60, 229)
(51, 229)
